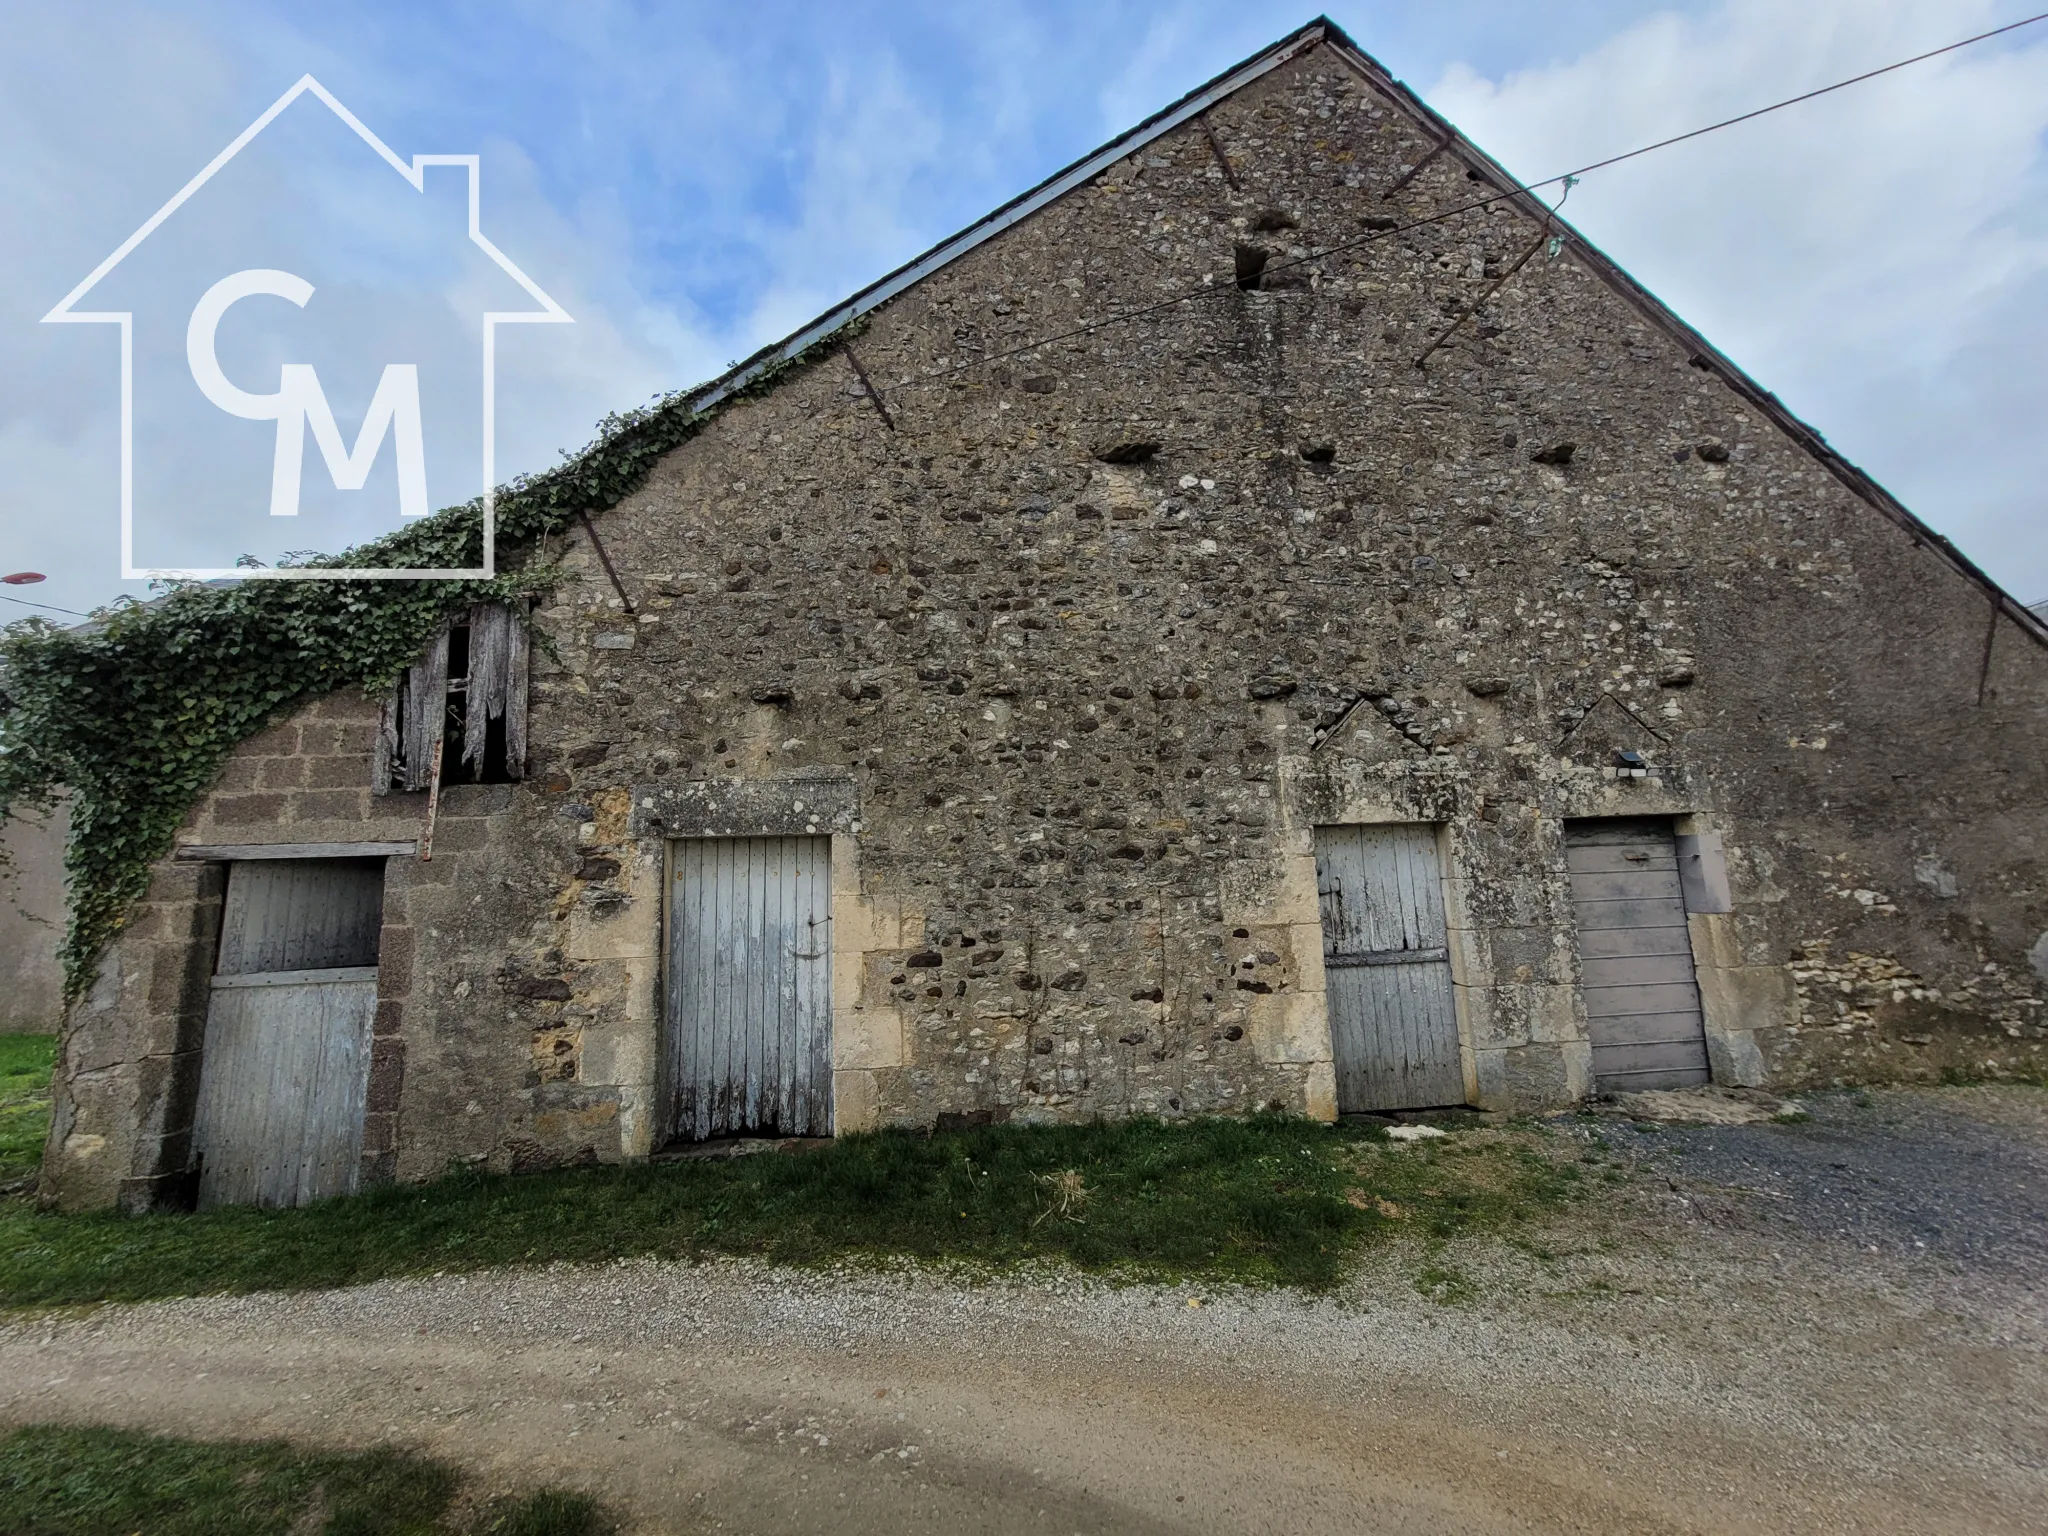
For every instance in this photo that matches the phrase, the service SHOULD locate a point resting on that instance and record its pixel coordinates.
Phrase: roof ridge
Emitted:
(1025, 203)
(1703, 354)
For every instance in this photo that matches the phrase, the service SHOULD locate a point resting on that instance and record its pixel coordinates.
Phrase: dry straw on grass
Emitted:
(1066, 1195)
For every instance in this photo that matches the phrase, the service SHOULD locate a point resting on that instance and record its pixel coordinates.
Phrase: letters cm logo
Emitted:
(299, 403)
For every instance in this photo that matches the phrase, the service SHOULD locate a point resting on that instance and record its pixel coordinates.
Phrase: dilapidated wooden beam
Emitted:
(215, 853)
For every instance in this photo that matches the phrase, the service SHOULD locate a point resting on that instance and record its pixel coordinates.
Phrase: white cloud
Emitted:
(1877, 257)
(98, 137)
(696, 189)
(856, 208)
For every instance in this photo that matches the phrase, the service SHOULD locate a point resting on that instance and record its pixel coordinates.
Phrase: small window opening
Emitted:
(1251, 263)
(467, 695)
(494, 767)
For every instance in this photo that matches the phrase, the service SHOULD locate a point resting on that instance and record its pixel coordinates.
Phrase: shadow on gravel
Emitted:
(1956, 1174)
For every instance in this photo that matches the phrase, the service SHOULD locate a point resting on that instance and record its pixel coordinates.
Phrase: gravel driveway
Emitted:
(1686, 1356)
(1960, 1178)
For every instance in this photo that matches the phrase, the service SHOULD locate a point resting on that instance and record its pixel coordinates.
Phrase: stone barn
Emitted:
(1269, 619)
(31, 920)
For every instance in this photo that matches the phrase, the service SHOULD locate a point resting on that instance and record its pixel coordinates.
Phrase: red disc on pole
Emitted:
(23, 578)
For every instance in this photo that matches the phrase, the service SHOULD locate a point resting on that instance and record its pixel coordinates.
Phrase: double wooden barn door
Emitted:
(748, 1029)
(285, 1068)
(1386, 960)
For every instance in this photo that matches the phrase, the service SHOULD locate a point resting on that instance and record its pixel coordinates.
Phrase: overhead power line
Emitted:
(1564, 178)
(1793, 101)
(4, 598)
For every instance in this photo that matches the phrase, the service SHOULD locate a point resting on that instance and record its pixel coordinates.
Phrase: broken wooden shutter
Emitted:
(493, 687)
(411, 723)
(496, 686)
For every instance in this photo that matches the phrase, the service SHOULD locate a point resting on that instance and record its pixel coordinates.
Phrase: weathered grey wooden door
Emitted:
(1635, 956)
(1386, 960)
(286, 1062)
(749, 1021)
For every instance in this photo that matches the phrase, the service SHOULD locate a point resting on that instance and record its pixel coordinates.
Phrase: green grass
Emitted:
(25, 1062)
(1270, 1200)
(110, 1482)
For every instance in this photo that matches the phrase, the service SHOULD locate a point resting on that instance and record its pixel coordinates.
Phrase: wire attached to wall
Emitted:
(1556, 245)
(1209, 289)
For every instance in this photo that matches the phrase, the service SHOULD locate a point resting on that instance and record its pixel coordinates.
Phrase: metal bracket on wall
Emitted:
(606, 561)
(1480, 302)
(1984, 667)
(874, 395)
(1216, 147)
(1418, 167)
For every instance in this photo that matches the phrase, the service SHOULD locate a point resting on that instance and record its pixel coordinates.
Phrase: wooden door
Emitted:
(748, 1047)
(1635, 956)
(1386, 960)
(286, 1063)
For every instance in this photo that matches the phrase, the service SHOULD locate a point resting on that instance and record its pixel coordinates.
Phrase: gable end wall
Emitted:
(1089, 715)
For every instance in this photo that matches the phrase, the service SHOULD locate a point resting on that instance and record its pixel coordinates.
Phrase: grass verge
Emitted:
(25, 1063)
(1269, 1200)
(110, 1482)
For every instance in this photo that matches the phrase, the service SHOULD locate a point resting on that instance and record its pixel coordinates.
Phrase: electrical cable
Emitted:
(4, 598)
(1207, 289)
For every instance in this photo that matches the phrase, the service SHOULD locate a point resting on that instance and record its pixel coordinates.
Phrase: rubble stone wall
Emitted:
(1090, 635)
(32, 921)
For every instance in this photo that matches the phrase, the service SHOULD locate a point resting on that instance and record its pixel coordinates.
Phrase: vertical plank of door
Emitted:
(731, 1009)
(700, 928)
(779, 1066)
(815, 939)
(760, 982)
(678, 1047)
(681, 1049)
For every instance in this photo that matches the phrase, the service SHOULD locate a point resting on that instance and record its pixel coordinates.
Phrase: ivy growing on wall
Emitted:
(132, 717)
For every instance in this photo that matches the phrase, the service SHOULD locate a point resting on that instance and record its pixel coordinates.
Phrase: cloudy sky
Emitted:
(693, 180)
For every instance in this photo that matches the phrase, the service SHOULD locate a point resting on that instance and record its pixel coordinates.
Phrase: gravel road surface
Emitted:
(1745, 1337)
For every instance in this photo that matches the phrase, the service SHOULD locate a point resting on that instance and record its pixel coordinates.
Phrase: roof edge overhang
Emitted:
(1015, 211)
(1702, 353)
